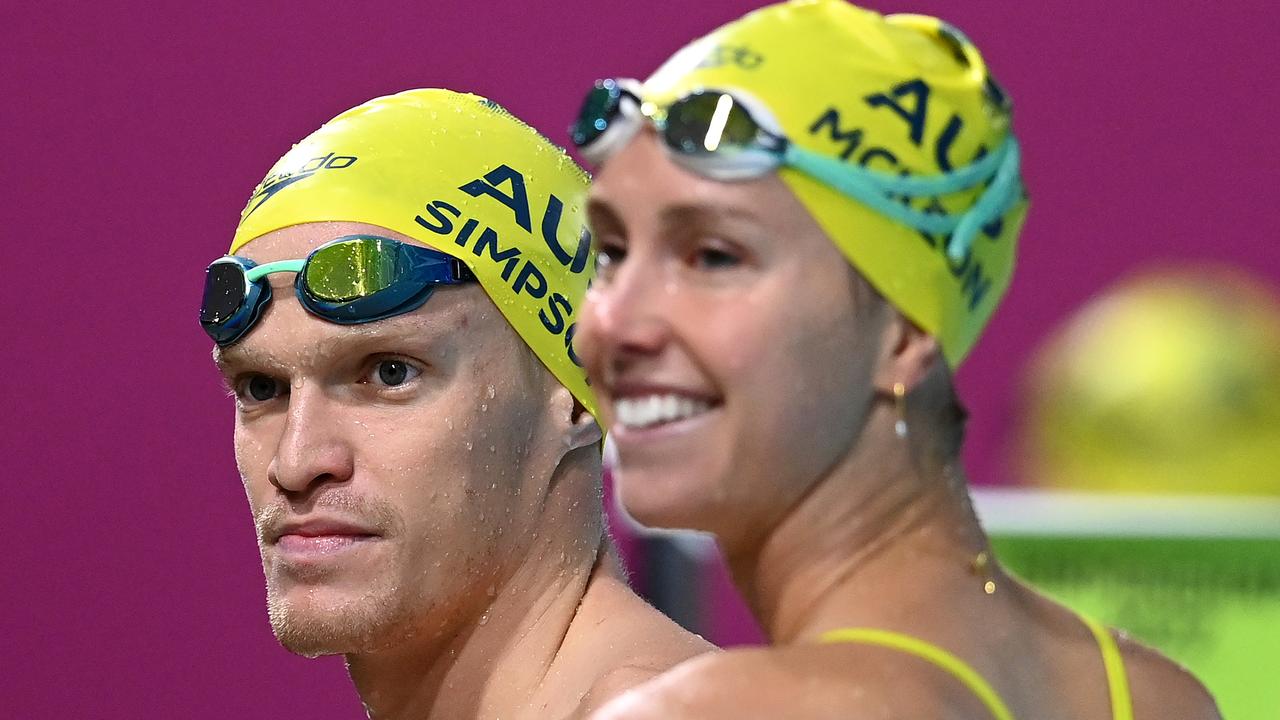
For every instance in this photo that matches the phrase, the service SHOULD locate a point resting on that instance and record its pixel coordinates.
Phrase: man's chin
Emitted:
(312, 644)
(311, 628)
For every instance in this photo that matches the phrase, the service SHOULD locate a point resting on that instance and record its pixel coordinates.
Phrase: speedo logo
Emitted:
(741, 56)
(276, 182)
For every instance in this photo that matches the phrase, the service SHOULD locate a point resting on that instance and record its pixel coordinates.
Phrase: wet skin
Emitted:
(426, 500)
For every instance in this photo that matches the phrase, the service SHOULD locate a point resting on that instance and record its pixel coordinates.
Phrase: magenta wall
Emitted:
(133, 133)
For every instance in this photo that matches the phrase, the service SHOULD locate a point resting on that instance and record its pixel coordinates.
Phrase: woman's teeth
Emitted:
(642, 412)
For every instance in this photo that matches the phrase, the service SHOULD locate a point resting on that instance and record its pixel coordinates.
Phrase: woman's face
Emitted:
(724, 341)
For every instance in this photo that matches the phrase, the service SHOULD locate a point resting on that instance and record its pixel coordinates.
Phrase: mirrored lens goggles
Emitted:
(728, 135)
(353, 279)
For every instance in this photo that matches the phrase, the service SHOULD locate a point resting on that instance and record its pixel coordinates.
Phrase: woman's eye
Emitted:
(713, 258)
(608, 257)
(393, 373)
(260, 388)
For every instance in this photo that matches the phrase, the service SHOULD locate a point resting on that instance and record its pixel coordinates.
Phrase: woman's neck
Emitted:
(880, 541)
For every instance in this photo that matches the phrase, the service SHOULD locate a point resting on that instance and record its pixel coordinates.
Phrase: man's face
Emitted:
(392, 467)
(725, 342)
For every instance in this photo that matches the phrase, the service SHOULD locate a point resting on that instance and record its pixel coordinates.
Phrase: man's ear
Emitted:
(579, 427)
(907, 354)
(584, 430)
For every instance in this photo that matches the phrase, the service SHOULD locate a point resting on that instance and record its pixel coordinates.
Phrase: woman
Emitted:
(804, 220)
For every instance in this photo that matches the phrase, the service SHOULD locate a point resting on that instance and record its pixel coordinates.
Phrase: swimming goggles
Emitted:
(729, 135)
(353, 279)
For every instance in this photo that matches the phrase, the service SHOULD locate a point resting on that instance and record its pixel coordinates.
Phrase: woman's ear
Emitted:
(908, 355)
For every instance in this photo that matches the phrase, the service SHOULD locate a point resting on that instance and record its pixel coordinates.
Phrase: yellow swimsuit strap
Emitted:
(930, 653)
(1117, 682)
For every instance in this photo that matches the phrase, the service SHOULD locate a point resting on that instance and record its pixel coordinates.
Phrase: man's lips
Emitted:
(317, 529)
(306, 542)
(318, 546)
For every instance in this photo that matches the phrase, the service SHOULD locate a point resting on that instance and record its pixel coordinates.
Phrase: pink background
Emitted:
(133, 133)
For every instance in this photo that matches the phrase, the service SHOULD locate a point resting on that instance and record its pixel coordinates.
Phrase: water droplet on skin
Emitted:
(490, 391)
(468, 446)
(484, 407)
(448, 423)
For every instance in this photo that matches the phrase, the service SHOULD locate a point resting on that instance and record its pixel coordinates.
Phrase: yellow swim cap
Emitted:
(461, 175)
(903, 94)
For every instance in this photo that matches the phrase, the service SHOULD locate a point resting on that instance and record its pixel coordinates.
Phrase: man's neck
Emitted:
(881, 541)
(492, 662)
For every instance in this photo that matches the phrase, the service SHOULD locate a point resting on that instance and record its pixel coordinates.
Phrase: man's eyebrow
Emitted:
(400, 330)
(394, 330)
(238, 357)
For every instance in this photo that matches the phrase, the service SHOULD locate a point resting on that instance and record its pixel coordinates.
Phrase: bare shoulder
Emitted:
(620, 642)
(801, 682)
(613, 685)
(631, 637)
(716, 685)
(1162, 689)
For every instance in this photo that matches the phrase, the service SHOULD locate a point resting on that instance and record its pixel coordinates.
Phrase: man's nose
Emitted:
(314, 448)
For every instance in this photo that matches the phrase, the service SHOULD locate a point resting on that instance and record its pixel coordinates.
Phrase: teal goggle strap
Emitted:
(353, 279)
(883, 192)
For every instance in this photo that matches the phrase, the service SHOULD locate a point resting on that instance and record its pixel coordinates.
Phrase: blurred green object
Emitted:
(1168, 382)
(1197, 577)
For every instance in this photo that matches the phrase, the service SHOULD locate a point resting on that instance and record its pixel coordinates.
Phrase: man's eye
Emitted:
(260, 388)
(392, 373)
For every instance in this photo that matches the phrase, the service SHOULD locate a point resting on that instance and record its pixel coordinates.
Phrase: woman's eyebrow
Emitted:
(703, 214)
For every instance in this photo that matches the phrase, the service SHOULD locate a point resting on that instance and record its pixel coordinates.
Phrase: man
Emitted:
(413, 430)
